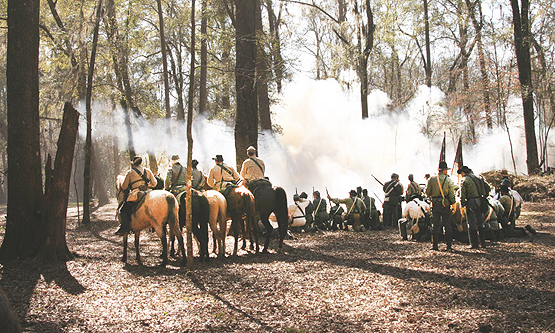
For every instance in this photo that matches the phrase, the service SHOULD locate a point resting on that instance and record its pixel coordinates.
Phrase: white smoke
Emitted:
(325, 143)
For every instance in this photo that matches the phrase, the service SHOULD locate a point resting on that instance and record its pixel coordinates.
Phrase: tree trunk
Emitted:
(523, 37)
(246, 122)
(23, 229)
(277, 59)
(428, 64)
(189, 198)
(203, 91)
(481, 58)
(262, 74)
(98, 179)
(164, 61)
(87, 184)
(57, 190)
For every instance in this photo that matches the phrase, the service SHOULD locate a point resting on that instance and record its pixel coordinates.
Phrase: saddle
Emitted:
(227, 187)
(254, 185)
(139, 202)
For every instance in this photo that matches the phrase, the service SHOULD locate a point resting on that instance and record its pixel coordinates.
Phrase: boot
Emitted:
(493, 234)
(435, 239)
(473, 237)
(449, 241)
(125, 225)
(483, 238)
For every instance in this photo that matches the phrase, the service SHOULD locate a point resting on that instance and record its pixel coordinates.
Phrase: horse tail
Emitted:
(171, 218)
(280, 210)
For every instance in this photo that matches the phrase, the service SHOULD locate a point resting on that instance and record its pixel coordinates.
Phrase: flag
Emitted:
(442, 153)
(458, 163)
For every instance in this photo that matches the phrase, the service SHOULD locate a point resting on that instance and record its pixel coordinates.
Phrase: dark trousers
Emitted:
(391, 212)
(442, 218)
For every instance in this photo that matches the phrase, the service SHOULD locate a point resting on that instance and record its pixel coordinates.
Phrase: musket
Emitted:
(377, 180)
(377, 196)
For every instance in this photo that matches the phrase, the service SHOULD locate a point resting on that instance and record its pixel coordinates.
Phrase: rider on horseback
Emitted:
(222, 175)
(138, 178)
(176, 179)
(253, 168)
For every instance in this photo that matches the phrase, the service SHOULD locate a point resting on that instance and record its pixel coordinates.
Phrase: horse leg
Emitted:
(137, 255)
(269, 232)
(124, 258)
(164, 240)
(243, 232)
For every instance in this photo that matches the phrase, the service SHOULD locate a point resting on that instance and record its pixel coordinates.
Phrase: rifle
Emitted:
(377, 197)
(377, 180)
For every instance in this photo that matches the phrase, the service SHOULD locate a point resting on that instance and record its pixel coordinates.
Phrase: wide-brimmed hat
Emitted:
(218, 158)
(464, 169)
(443, 166)
(137, 160)
(194, 163)
(353, 193)
(175, 157)
(394, 176)
(251, 148)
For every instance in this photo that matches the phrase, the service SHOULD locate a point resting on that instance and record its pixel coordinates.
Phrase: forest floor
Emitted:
(322, 282)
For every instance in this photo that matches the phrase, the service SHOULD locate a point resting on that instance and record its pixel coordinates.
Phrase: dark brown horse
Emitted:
(240, 208)
(158, 209)
(201, 211)
(267, 200)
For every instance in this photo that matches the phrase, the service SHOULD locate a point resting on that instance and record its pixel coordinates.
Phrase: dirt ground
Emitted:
(324, 282)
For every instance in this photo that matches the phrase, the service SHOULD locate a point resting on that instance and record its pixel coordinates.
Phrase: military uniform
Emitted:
(137, 178)
(176, 179)
(221, 175)
(320, 214)
(441, 206)
(355, 208)
(473, 189)
(393, 190)
(413, 190)
(253, 168)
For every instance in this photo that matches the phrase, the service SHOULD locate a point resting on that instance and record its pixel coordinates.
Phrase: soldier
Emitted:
(441, 190)
(308, 211)
(371, 218)
(221, 175)
(355, 207)
(176, 179)
(138, 178)
(392, 203)
(473, 191)
(413, 190)
(198, 178)
(253, 168)
(320, 214)
(297, 212)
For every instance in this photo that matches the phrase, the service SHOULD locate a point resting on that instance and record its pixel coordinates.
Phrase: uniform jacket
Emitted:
(197, 179)
(413, 188)
(393, 190)
(177, 176)
(413, 209)
(359, 207)
(472, 187)
(433, 190)
(251, 171)
(133, 180)
(297, 213)
(219, 173)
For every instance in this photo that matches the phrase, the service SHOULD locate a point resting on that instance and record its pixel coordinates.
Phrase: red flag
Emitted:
(458, 163)
(442, 153)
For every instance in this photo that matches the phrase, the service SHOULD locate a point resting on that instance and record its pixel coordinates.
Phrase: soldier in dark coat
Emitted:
(473, 189)
(392, 203)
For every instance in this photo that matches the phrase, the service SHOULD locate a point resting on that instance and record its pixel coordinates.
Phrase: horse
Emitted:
(156, 209)
(267, 200)
(217, 219)
(201, 213)
(240, 203)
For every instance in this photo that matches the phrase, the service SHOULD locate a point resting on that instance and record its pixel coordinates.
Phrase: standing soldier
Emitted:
(221, 175)
(253, 168)
(392, 203)
(441, 190)
(138, 178)
(176, 179)
(355, 208)
(413, 190)
(473, 189)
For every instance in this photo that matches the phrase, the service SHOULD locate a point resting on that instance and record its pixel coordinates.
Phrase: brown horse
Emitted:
(157, 209)
(217, 219)
(240, 208)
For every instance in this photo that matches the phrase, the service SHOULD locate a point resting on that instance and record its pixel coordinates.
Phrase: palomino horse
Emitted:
(201, 212)
(267, 200)
(157, 209)
(217, 219)
(240, 203)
